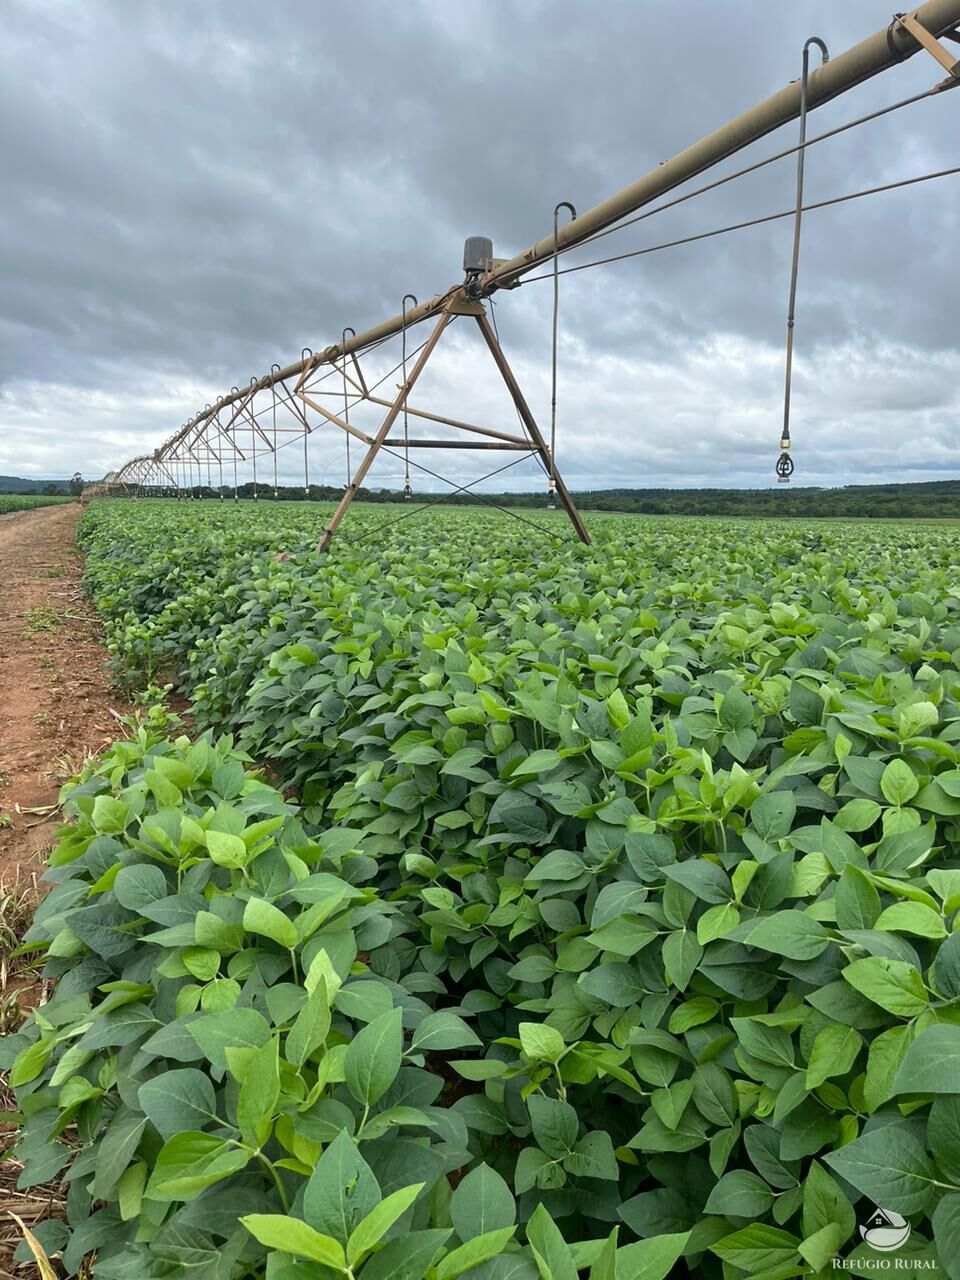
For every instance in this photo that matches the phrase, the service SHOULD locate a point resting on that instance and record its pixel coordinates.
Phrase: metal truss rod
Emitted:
(335, 419)
(521, 446)
(451, 422)
(392, 414)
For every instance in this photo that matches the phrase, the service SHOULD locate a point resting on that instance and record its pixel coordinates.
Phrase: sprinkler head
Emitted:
(784, 467)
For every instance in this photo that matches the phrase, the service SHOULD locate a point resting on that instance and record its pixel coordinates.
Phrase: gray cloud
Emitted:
(195, 191)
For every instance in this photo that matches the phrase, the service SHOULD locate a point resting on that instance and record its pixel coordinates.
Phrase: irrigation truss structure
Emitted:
(248, 426)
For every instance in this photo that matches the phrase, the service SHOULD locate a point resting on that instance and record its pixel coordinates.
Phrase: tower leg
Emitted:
(530, 424)
(392, 414)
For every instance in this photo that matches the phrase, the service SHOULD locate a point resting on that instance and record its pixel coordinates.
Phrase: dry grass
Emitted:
(18, 987)
(30, 1207)
(20, 991)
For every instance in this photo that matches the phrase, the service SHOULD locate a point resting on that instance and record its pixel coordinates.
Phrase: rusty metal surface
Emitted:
(908, 22)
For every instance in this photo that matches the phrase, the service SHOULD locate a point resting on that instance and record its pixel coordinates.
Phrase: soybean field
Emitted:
(10, 502)
(508, 908)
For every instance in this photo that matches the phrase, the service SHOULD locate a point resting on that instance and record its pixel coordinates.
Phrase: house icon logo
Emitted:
(885, 1230)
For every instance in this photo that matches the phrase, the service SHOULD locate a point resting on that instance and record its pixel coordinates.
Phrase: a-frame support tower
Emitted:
(531, 442)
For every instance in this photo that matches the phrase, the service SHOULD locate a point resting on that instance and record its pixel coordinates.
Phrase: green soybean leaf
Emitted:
(374, 1057)
(946, 967)
(946, 1234)
(139, 886)
(820, 1248)
(110, 813)
(540, 1042)
(555, 1124)
(792, 934)
(703, 878)
(890, 1166)
(892, 984)
(277, 1231)
(406, 1258)
(692, 1013)
(202, 962)
(116, 1150)
(443, 1031)
(482, 1203)
(912, 917)
(740, 1194)
(772, 815)
(682, 954)
(341, 1191)
(262, 917)
(553, 1255)
(30, 1062)
(129, 1190)
(858, 815)
(769, 1044)
(824, 1204)
(311, 1027)
(652, 1259)
(371, 1229)
(758, 1248)
(226, 850)
(932, 1062)
(259, 1094)
(178, 1100)
(899, 783)
(943, 1135)
(593, 1157)
(884, 1057)
(189, 1162)
(833, 1053)
(475, 1252)
(857, 901)
(233, 1029)
(603, 1265)
(615, 984)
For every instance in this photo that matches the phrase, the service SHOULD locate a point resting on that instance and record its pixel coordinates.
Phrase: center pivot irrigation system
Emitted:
(285, 406)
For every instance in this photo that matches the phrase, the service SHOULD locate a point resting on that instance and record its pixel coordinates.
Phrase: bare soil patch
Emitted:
(57, 706)
(56, 701)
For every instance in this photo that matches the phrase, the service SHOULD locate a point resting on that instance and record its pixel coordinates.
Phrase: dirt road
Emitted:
(55, 693)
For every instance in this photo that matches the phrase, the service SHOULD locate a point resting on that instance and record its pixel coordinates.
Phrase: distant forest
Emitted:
(938, 499)
(20, 485)
(935, 500)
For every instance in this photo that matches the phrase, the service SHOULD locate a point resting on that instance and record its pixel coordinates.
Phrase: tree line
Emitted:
(932, 500)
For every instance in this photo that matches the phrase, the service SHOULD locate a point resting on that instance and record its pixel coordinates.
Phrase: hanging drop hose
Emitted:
(407, 490)
(220, 457)
(346, 399)
(253, 441)
(236, 477)
(306, 351)
(552, 480)
(784, 467)
(276, 480)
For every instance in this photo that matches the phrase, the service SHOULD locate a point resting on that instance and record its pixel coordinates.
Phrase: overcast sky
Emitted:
(195, 190)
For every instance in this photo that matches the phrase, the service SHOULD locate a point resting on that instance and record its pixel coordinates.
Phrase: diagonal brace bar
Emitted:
(530, 424)
(392, 414)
